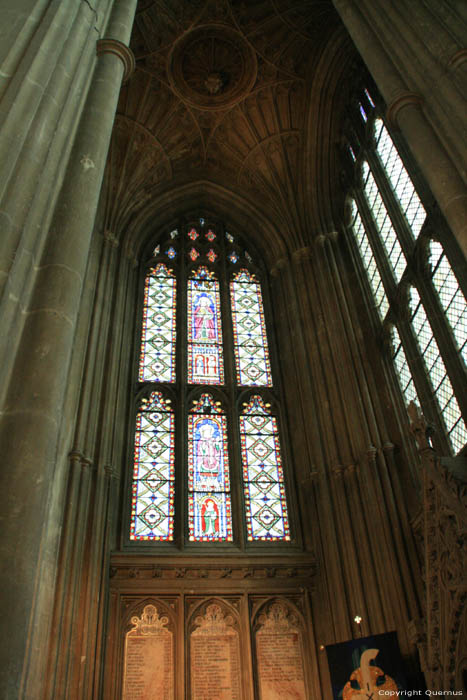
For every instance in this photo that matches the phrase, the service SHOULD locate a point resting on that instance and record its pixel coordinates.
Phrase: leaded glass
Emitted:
(152, 499)
(211, 255)
(174, 233)
(233, 257)
(193, 234)
(436, 369)
(369, 263)
(156, 250)
(362, 112)
(210, 235)
(193, 253)
(209, 504)
(229, 237)
(250, 340)
(265, 501)
(171, 252)
(157, 356)
(205, 358)
(403, 372)
(399, 178)
(450, 295)
(383, 223)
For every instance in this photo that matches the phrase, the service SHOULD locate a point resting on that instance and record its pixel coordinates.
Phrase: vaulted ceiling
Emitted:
(246, 95)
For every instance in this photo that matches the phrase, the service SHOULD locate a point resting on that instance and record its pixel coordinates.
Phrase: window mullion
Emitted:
(377, 245)
(399, 222)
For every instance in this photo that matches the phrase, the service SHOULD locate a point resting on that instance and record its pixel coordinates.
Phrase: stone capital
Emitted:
(302, 254)
(404, 99)
(119, 49)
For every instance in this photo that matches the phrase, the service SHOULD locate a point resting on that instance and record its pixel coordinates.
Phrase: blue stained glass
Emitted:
(205, 358)
(171, 252)
(208, 473)
(233, 257)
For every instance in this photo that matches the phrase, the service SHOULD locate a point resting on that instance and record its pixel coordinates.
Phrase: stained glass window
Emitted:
(209, 503)
(157, 356)
(437, 372)
(152, 498)
(369, 262)
(390, 226)
(205, 357)
(214, 275)
(250, 340)
(450, 295)
(265, 503)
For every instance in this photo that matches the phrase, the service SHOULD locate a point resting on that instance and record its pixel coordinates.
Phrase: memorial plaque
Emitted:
(279, 656)
(215, 657)
(149, 663)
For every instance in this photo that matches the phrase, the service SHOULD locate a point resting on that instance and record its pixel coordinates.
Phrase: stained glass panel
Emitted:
(211, 255)
(369, 263)
(152, 501)
(383, 223)
(193, 234)
(448, 405)
(233, 257)
(157, 356)
(171, 252)
(450, 295)
(265, 501)
(210, 235)
(250, 339)
(193, 253)
(209, 504)
(403, 372)
(399, 178)
(205, 357)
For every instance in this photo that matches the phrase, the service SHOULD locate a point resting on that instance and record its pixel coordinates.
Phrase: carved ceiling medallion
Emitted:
(212, 67)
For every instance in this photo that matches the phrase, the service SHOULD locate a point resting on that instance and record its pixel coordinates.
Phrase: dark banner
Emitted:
(369, 668)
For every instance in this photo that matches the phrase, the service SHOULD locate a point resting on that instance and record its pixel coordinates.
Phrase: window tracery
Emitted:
(204, 332)
(425, 315)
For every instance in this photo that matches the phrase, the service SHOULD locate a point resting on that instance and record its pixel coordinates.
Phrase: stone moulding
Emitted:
(405, 99)
(124, 53)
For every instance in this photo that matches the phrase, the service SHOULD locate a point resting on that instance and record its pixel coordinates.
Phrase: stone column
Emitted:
(409, 103)
(31, 429)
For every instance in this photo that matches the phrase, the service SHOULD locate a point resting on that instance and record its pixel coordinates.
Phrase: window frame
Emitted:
(232, 396)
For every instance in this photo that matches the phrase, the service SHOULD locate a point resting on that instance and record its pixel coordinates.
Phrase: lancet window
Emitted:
(207, 462)
(405, 248)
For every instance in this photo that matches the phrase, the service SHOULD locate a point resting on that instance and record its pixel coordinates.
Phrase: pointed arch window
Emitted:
(412, 282)
(206, 471)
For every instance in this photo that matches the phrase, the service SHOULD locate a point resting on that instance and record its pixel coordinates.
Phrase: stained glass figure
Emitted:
(263, 479)
(250, 340)
(174, 233)
(156, 251)
(193, 253)
(211, 255)
(157, 356)
(209, 506)
(152, 498)
(210, 235)
(229, 237)
(205, 357)
(193, 234)
(233, 257)
(171, 252)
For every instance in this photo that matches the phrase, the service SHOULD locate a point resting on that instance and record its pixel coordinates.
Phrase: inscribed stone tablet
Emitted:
(279, 656)
(148, 664)
(215, 658)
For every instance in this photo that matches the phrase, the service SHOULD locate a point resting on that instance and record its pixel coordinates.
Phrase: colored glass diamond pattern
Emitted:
(210, 235)
(205, 357)
(250, 340)
(171, 252)
(193, 234)
(193, 253)
(157, 355)
(265, 501)
(152, 500)
(211, 255)
(209, 506)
